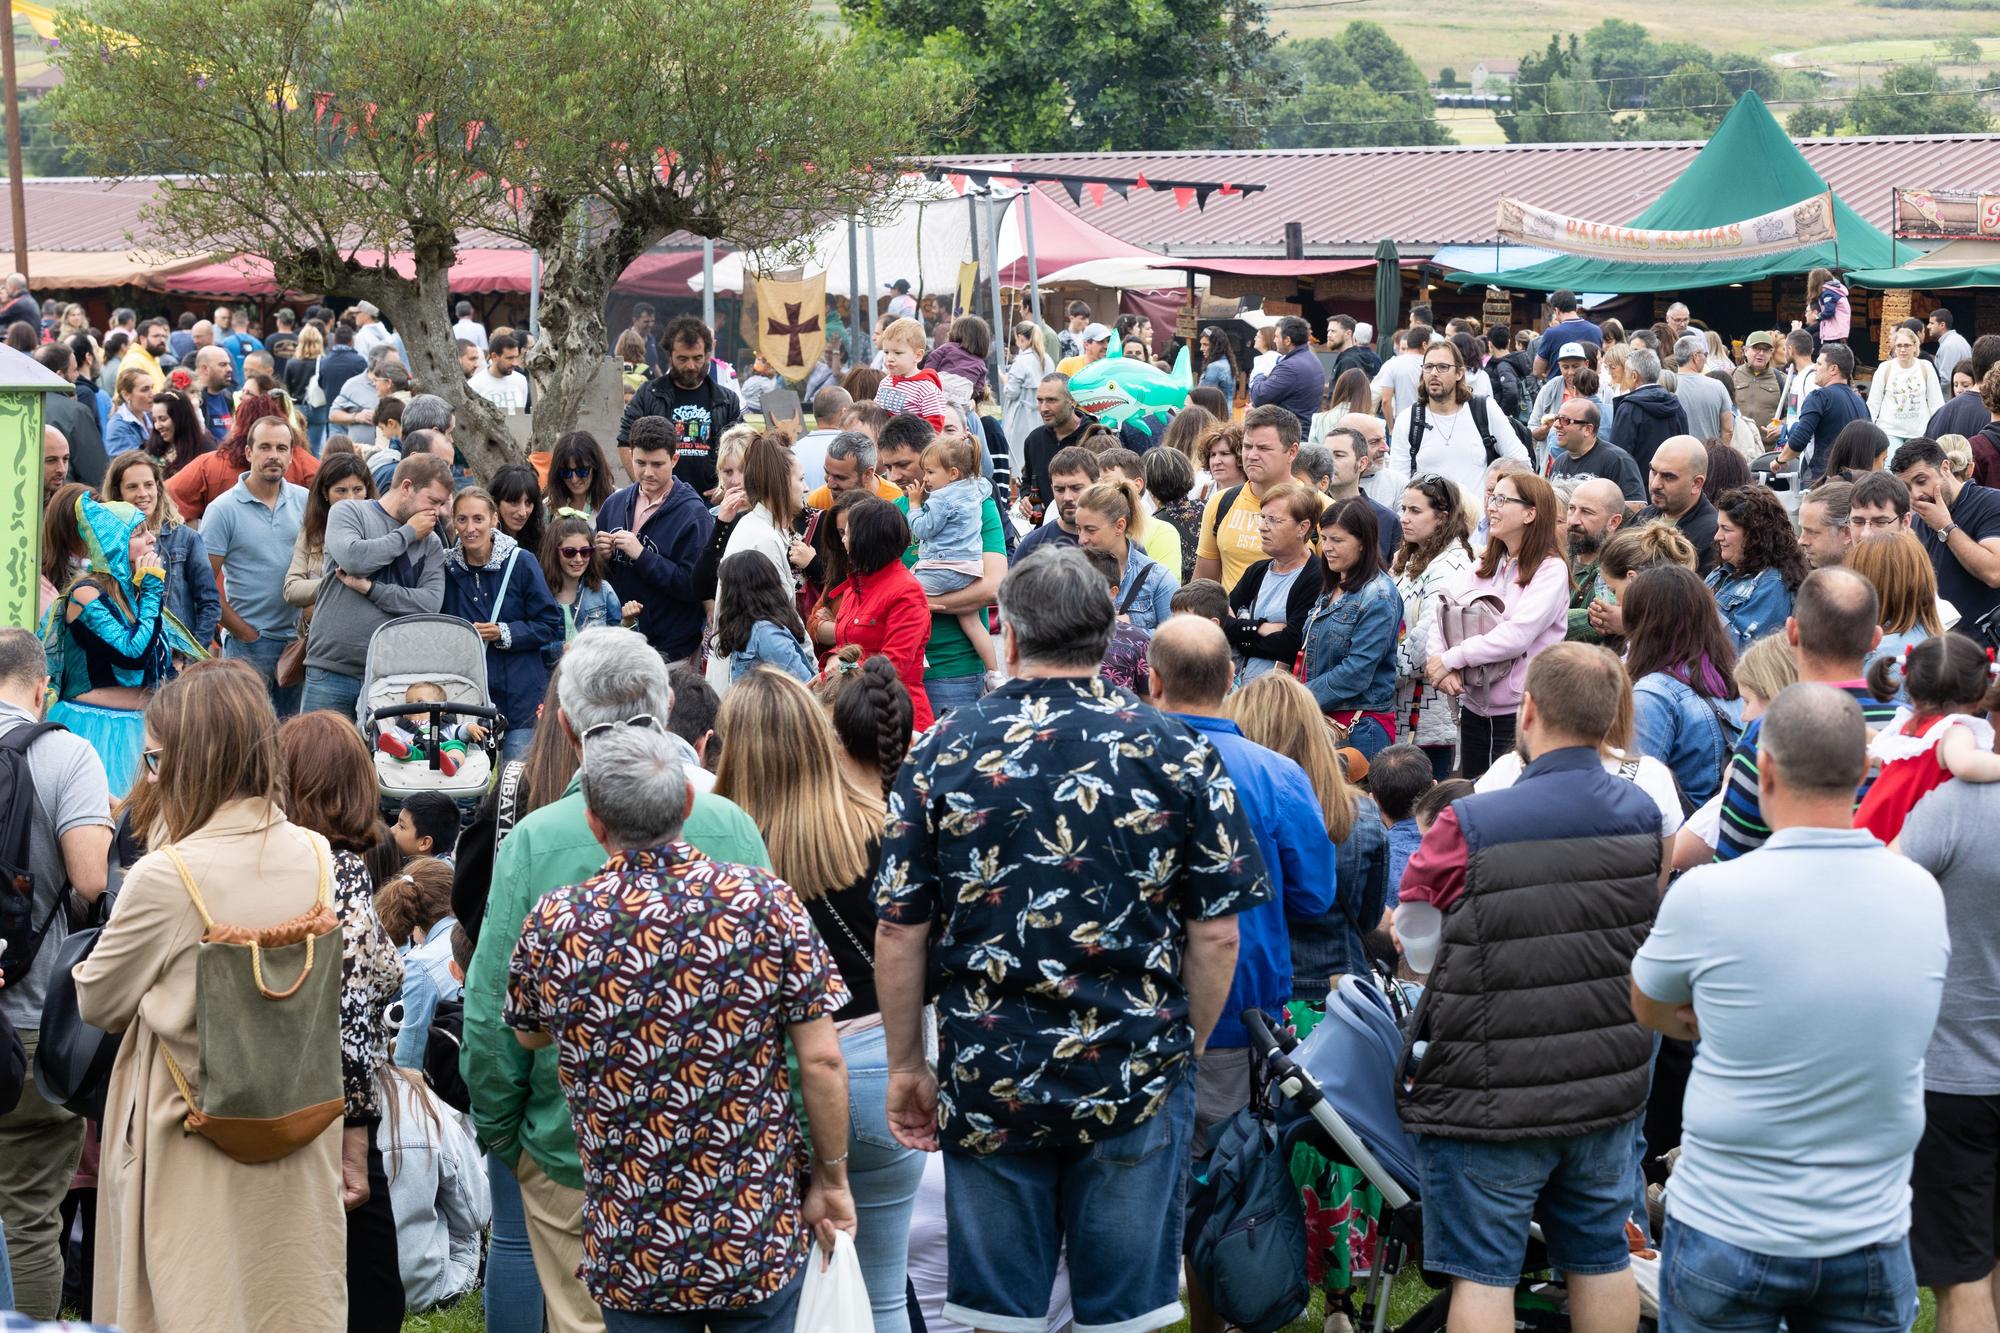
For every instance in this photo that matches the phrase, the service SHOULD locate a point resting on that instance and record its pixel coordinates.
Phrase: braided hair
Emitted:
(872, 716)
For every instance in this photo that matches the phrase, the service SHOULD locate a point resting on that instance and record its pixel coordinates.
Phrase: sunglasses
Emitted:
(152, 758)
(578, 473)
(646, 720)
(574, 552)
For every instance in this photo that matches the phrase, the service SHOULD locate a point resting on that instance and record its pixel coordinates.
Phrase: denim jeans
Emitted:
(332, 691)
(6, 1273)
(514, 745)
(883, 1176)
(1708, 1285)
(263, 654)
(513, 1294)
(1479, 1196)
(1481, 740)
(1368, 737)
(776, 1313)
(1120, 1202)
(952, 691)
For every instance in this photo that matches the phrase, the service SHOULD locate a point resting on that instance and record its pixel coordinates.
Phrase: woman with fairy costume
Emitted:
(110, 639)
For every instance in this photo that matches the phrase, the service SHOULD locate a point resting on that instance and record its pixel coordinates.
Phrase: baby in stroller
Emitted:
(412, 739)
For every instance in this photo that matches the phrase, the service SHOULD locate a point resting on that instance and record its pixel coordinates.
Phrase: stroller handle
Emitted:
(457, 710)
(1263, 1039)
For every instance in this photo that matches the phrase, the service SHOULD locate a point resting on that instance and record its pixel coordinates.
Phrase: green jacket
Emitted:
(517, 1104)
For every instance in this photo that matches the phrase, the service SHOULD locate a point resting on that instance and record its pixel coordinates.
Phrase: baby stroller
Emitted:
(448, 652)
(1336, 1091)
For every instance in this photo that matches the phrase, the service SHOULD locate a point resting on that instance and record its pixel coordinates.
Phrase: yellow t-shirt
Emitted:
(888, 490)
(1237, 541)
(1163, 543)
(1069, 365)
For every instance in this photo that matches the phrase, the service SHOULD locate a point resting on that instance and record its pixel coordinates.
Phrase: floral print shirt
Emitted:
(1058, 836)
(667, 981)
(371, 977)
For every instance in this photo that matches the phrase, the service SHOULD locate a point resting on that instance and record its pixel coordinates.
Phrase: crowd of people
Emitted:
(805, 893)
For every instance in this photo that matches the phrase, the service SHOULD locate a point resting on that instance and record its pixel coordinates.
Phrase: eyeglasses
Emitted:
(646, 720)
(1440, 367)
(573, 552)
(152, 758)
(1574, 421)
(578, 473)
(1875, 522)
(1497, 498)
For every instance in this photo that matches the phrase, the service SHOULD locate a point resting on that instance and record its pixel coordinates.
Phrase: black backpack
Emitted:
(442, 1045)
(1476, 406)
(21, 934)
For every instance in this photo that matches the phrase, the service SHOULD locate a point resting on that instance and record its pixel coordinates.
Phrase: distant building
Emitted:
(1495, 74)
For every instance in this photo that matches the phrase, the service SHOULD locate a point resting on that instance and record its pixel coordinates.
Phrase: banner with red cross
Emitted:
(791, 319)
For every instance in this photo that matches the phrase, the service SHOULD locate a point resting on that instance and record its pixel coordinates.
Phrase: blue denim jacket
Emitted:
(592, 608)
(1350, 648)
(191, 593)
(1676, 727)
(1752, 605)
(772, 645)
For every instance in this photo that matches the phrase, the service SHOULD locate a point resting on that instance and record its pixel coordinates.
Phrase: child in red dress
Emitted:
(1942, 735)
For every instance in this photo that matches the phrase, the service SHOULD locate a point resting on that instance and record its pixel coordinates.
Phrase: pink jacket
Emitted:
(1537, 617)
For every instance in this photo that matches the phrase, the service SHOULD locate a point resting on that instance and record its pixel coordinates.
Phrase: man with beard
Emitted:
(1062, 427)
(1596, 512)
(1823, 530)
(249, 533)
(1071, 473)
(699, 409)
(1349, 354)
(146, 352)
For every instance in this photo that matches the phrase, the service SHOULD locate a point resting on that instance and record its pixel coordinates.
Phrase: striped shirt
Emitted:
(1743, 827)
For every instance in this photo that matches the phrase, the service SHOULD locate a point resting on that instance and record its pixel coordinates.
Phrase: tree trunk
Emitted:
(573, 341)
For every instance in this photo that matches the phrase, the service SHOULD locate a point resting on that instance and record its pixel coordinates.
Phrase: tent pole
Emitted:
(854, 293)
(999, 339)
(978, 259)
(1034, 271)
(708, 282)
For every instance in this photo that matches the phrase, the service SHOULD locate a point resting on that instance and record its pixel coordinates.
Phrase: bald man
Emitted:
(1596, 512)
(55, 463)
(1679, 475)
(1191, 675)
(212, 371)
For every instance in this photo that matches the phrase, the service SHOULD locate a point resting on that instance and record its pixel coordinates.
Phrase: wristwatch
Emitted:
(1949, 528)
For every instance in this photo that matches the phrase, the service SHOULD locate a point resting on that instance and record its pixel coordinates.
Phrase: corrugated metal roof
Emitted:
(1349, 199)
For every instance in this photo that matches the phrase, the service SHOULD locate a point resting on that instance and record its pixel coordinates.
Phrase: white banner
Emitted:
(1806, 223)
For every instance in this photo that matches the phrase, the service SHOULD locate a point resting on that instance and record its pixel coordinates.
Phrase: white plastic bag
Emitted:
(835, 1299)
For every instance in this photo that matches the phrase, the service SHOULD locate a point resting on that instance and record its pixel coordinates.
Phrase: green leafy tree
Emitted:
(1916, 99)
(1447, 77)
(1555, 100)
(1357, 89)
(1959, 50)
(1690, 101)
(308, 132)
(1076, 75)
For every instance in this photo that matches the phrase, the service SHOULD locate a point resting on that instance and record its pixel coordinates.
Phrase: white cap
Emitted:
(1097, 333)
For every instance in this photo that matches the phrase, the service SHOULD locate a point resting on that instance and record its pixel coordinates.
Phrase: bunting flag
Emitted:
(1228, 190)
(1141, 183)
(1074, 189)
(1201, 193)
(368, 110)
(424, 119)
(321, 101)
(663, 162)
(791, 323)
(1183, 196)
(957, 182)
(1096, 191)
(473, 128)
(1122, 191)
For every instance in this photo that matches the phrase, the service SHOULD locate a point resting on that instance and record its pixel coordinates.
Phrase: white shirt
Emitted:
(1401, 374)
(472, 331)
(509, 393)
(371, 336)
(1453, 448)
(1653, 778)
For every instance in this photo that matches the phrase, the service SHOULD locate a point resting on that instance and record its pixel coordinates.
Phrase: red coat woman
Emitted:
(883, 609)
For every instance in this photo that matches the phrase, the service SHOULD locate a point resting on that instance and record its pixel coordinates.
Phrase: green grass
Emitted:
(463, 1316)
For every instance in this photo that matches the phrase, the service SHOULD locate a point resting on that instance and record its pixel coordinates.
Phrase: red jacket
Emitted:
(209, 477)
(887, 613)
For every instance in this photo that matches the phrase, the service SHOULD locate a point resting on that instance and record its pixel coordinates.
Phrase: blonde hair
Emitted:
(1280, 714)
(311, 341)
(904, 333)
(1767, 667)
(1895, 564)
(780, 765)
(1957, 454)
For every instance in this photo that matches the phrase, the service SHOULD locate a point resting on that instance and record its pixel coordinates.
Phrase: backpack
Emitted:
(1466, 614)
(21, 935)
(1419, 419)
(267, 1054)
(1246, 1230)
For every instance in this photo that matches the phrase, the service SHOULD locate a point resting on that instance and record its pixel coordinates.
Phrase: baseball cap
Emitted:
(1097, 333)
(900, 285)
(1571, 352)
(1761, 338)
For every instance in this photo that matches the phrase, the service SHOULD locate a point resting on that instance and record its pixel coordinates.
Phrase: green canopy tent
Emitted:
(1750, 167)
(1961, 263)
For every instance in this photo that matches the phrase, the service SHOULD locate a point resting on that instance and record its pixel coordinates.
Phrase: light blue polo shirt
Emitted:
(1816, 964)
(255, 544)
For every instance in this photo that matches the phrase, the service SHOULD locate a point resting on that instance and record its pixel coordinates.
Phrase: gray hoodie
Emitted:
(363, 540)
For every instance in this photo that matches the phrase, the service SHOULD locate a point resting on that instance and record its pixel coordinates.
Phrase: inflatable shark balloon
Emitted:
(1117, 390)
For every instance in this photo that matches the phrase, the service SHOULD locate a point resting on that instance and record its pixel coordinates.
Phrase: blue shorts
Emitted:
(1479, 1198)
(1118, 1204)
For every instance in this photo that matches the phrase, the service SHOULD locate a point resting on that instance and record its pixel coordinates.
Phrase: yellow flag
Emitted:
(968, 283)
(791, 323)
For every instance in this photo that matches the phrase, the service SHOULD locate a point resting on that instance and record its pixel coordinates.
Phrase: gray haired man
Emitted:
(1094, 853)
(612, 681)
(600, 979)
